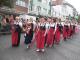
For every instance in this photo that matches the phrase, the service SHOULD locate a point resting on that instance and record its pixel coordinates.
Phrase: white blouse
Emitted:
(47, 25)
(41, 24)
(18, 23)
(52, 25)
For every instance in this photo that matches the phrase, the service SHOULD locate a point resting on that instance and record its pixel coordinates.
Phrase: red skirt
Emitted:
(64, 33)
(14, 38)
(40, 39)
(70, 32)
(50, 37)
(57, 35)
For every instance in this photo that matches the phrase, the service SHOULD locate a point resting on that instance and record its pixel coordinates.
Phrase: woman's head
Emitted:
(41, 19)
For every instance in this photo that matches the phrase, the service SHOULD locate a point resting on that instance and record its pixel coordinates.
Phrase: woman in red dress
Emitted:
(16, 32)
(70, 29)
(50, 33)
(58, 32)
(40, 40)
(14, 36)
(65, 30)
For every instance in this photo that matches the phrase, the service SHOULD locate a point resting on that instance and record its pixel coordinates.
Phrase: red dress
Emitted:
(57, 34)
(50, 36)
(14, 37)
(70, 31)
(65, 32)
(40, 40)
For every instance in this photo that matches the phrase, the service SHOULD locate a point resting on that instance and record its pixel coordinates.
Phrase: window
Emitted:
(21, 3)
(38, 8)
(40, 0)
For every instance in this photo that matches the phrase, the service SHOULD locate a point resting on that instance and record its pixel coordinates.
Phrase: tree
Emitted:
(6, 3)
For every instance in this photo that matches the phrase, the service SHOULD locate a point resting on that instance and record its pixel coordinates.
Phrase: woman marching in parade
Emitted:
(68, 29)
(74, 27)
(16, 32)
(14, 36)
(65, 30)
(70, 24)
(40, 40)
(28, 33)
(50, 32)
(58, 31)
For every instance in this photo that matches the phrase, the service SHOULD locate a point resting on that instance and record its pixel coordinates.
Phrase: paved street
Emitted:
(67, 50)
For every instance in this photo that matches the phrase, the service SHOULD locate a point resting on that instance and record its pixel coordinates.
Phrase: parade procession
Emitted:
(44, 32)
(39, 29)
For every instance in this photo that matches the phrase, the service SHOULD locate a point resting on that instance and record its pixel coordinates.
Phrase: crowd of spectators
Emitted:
(5, 23)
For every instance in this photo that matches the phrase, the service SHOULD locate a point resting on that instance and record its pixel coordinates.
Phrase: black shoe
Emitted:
(14, 45)
(65, 39)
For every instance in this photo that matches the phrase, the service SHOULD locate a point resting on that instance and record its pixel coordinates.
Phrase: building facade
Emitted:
(39, 7)
(62, 9)
(20, 6)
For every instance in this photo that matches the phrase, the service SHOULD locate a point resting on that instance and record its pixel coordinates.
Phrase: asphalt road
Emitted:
(67, 50)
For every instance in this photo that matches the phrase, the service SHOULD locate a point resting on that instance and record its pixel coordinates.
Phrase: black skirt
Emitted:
(28, 38)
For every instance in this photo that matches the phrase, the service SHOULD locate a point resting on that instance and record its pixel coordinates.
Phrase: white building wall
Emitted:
(61, 11)
(57, 11)
(70, 11)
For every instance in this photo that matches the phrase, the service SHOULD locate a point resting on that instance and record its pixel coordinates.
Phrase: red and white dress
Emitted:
(65, 31)
(40, 40)
(14, 35)
(58, 33)
(50, 34)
